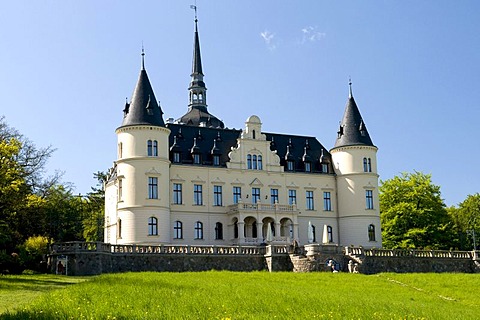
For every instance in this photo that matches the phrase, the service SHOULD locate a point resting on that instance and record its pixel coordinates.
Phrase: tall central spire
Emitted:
(198, 114)
(198, 98)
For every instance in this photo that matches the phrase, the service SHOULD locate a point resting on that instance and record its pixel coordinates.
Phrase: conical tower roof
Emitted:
(352, 129)
(143, 109)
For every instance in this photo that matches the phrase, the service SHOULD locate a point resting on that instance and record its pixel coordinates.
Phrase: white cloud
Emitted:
(269, 39)
(312, 34)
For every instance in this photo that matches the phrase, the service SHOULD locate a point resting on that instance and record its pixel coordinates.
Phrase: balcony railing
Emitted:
(262, 207)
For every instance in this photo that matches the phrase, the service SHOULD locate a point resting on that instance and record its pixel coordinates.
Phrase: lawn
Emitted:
(256, 295)
(16, 291)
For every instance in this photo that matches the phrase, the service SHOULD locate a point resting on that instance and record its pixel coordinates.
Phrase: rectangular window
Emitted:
(149, 148)
(120, 189)
(176, 157)
(310, 204)
(327, 201)
(155, 148)
(274, 196)
(255, 195)
(324, 168)
(217, 196)
(216, 160)
(292, 197)
(177, 193)
(308, 167)
(290, 165)
(197, 195)
(369, 199)
(152, 187)
(196, 158)
(237, 194)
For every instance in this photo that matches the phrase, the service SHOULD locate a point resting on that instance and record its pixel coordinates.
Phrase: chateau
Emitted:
(193, 181)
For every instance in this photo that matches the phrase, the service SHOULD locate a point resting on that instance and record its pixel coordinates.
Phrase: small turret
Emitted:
(352, 129)
(143, 109)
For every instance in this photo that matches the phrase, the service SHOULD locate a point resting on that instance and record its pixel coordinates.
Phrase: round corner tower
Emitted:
(354, 158)
(137, 193)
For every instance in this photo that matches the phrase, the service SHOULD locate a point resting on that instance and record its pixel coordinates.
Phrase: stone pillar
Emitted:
(241, 232)
(277, 230)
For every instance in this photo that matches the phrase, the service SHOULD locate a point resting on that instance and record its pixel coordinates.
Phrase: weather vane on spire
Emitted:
(194, 7)
(143, 57)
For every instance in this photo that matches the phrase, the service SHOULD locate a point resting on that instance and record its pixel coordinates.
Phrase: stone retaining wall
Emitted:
(98, 258)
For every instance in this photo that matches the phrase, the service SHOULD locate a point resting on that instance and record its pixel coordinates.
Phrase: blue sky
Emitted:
(67, 66)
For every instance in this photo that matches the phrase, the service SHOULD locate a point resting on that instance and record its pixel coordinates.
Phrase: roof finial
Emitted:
(350, 94)
(143, 57)
(194, 7)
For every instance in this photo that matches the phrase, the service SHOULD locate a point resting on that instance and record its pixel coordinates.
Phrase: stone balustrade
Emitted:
(261, 207)
(351, 251)
(75, 246)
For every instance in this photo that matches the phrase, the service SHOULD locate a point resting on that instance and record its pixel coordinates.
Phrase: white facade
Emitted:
(339, 200)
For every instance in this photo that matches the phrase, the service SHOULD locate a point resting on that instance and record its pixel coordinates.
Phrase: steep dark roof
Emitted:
(182, 139)
(352, 129)
(210, 141)
(299, 148)
(143, 108)
(197, 115)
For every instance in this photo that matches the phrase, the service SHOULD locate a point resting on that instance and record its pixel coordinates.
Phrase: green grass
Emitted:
(16, 291)
(260, 295)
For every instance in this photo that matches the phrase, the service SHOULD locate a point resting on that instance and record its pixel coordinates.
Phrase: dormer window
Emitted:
(216, 160)
(324, 168)
(176, 157)
(290, 165)
(308, 167)
(196, 158)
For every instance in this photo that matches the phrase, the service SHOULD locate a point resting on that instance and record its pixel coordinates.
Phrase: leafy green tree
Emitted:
(94, 210)
(413, 214)
(466, 221)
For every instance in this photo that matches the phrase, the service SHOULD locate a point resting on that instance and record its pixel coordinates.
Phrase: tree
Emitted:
(466, 221)
(94, 210)
(413, 214)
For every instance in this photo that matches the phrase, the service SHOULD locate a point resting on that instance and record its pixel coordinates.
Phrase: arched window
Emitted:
(178, 230)
(249, 161)
(218, 231)
(371, 233)
(198, 230)
(149, 148)
(254, 162)
(235, 229)
(152, 226)
(330, 234)
(369, 165)
(365, 166)
(155, 148)
(253, 134)
(260, 164)
(120, 150)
